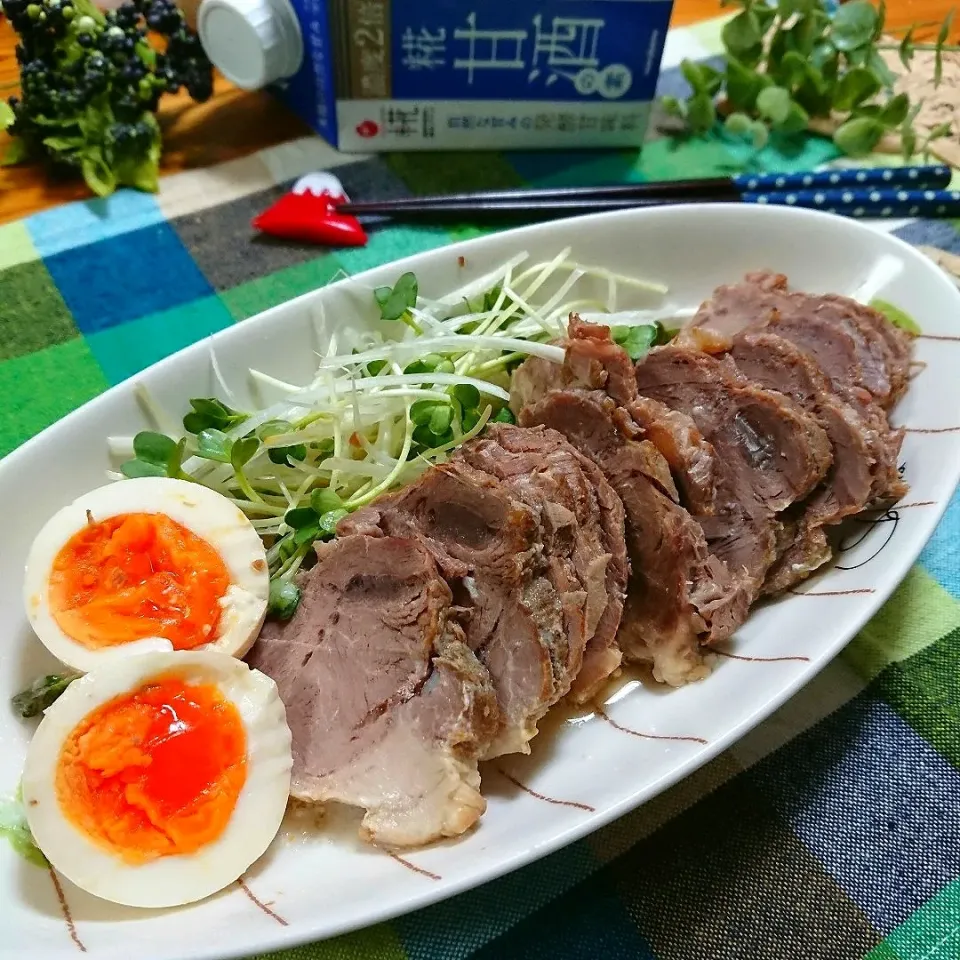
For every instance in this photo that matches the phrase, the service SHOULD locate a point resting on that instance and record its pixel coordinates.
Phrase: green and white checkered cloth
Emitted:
(832, 831)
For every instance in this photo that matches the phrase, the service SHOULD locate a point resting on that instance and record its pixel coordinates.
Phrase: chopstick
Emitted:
(900, 191)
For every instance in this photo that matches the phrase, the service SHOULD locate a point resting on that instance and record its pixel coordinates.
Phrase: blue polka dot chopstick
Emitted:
(868, 192)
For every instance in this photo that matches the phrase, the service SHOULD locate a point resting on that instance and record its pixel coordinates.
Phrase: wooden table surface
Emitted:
(233, 123)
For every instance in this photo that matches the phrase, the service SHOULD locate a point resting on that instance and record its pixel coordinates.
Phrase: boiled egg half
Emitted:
(159, 778)
(148, 563)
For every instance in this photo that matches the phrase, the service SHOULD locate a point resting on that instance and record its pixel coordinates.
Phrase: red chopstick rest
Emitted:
(307, 213)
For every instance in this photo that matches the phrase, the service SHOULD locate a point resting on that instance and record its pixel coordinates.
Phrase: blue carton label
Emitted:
(388, 74)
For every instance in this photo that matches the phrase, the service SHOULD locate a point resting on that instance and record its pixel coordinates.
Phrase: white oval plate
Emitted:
(311, 886)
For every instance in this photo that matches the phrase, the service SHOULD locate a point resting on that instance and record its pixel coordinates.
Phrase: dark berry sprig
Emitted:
(91, 83)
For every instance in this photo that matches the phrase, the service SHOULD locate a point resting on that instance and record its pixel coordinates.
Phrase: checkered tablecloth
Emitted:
(832, 831)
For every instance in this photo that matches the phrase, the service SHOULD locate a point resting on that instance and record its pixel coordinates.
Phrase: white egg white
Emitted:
(205, 513)
(177, 879)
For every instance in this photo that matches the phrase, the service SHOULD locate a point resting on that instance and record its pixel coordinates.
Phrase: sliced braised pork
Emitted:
(582, 519)
(679, 596)
(594, 362)
(488, 545)
(777, 364)
(388, 707)
(865, 358)
(770, 453)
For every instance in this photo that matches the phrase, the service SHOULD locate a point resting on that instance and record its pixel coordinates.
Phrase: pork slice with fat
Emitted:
(770, 453)
(583, 536)
(388, 707)
(678, 596)
(488, 545)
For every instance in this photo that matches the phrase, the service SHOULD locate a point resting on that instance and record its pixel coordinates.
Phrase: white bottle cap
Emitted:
(253, 43)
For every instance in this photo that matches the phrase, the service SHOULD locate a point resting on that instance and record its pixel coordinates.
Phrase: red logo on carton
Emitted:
(367, 129)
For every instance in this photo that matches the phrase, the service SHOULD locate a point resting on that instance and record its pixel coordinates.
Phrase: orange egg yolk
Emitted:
(156, 772)
(137, 575)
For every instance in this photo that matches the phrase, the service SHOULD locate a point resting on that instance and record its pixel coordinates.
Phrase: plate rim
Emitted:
(301, 933)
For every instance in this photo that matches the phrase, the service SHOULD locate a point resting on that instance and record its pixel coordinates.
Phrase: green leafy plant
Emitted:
(91, 83)
(32, 701)
(788, 62)
(395, 302)
(637, 340)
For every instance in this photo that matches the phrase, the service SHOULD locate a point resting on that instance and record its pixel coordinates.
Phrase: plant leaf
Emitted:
(701, 113)
(858, 136)
(97, 173)
(743, 85)
(636, 340)
(742, 34)
(395, 301)
(7, 116)
(854, 87)
(853, 25)
(879, 66)
(284, 598)
(299, 517)
(895, 110)
(307, 533)
(329, 521)
(155, 448)
(674, 107)
(242, 451)
(213, 444)
(899, 318)
(738, 124)
(175, 460)
(938, 53)
(906, 49)
(324, 500)
(134, 469)
(773, 103)
(881, 20)
(759, 135)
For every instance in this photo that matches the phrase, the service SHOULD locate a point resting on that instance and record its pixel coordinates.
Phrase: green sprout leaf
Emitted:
(325, 500)
(210, 412)
(467, 395)
(242, 451)
(300, 517)
(213, 444)
(7, 116)
(283, 600)
(155, 455)
(281, 455)
(329, 521)
(853, 25)
(44, 691)
(307, 533)
(899, 318)
(13, 825)
(637, 340)
(396, 301)
(503, 415)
